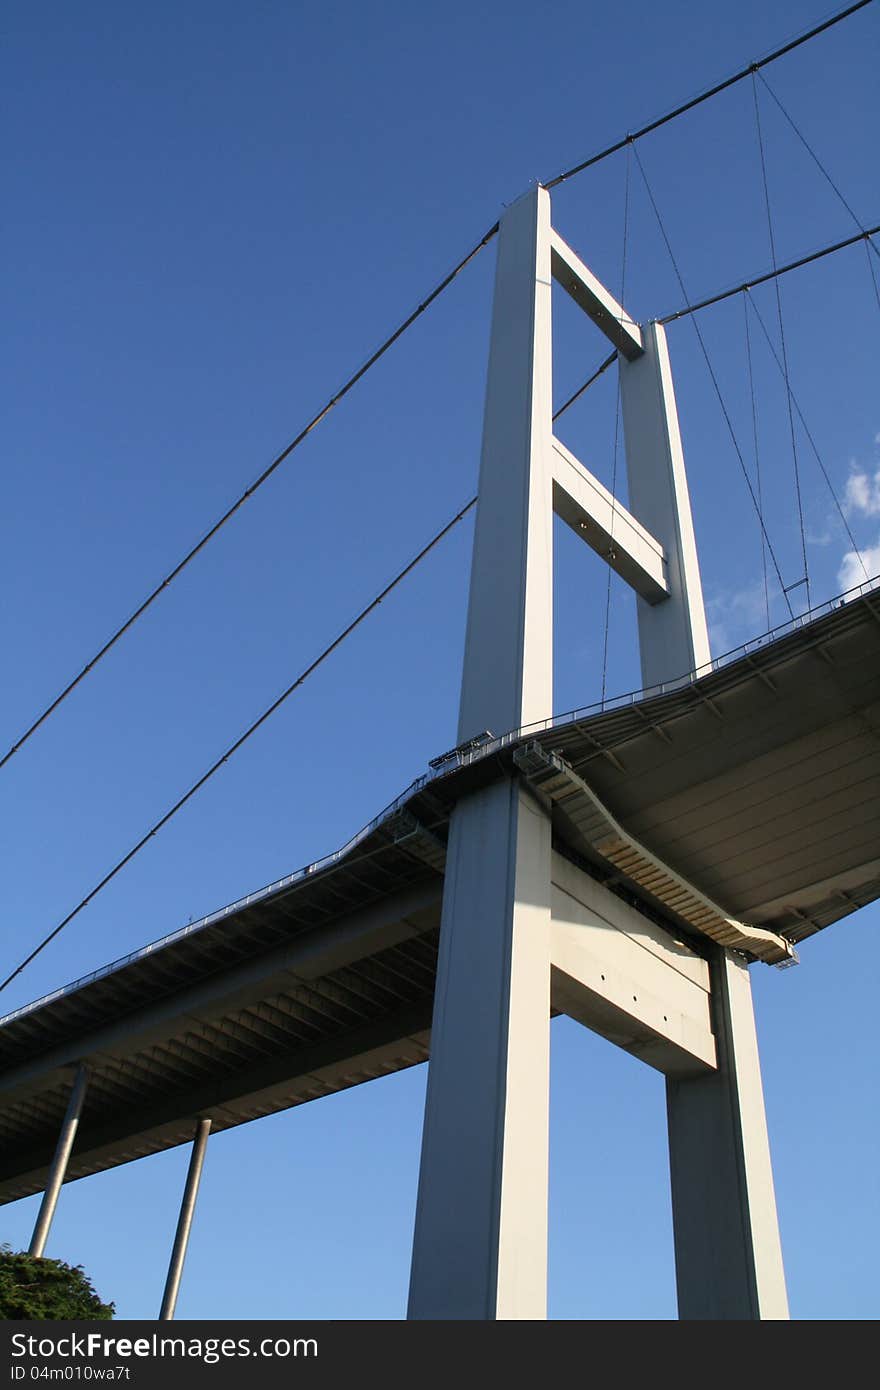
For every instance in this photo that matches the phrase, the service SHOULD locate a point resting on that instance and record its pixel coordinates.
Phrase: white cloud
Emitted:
(854, 565)
(736, 616)
(862, 494)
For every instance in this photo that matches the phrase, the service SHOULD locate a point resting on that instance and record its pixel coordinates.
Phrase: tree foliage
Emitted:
(38, 1289)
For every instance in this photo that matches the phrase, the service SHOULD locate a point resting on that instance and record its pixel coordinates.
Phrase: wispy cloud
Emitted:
(735, 616)
(861, 502)
(862, 495)
(859, 566)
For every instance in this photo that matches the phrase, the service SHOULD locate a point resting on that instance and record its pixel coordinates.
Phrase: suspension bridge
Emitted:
(624, 865)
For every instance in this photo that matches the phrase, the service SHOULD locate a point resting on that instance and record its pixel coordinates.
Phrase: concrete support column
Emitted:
(508, 661)
(58, 1169)
(728, 1258)
(673, 638)
(727, 1250)
(480, 1244)
(184, 1222)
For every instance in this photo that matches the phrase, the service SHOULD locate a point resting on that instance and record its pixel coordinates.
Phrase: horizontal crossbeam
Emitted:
(590, 294)
(607, 527)
(618, 973)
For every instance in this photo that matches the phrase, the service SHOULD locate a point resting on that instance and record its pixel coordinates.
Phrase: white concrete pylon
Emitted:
(508, 664)
(728, 1255)
(480, 1243)
(673, 638)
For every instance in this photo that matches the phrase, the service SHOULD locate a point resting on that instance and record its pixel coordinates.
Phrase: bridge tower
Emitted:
(524, 930)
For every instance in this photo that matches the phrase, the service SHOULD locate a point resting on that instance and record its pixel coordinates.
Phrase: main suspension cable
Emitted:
(764, 279)
(249, 491)
(241, 740)
(267, 713)
(706, 95)
(594, 376)
(396, 334)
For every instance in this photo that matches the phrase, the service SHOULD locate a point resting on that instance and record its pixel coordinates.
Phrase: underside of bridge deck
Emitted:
(754, 789)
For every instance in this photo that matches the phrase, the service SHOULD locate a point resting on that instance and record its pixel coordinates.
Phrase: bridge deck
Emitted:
(758, 783)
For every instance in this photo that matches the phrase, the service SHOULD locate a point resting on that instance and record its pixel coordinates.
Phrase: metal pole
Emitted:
(187, 1207)
(59, 1163)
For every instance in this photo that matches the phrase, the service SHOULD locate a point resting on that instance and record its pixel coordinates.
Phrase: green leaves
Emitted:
(46, 1289)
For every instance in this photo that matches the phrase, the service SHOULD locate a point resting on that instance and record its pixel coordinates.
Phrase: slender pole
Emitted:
(184, 1222)
(59, 1163)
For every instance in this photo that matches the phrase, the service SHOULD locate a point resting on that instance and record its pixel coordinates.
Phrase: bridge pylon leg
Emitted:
(727, 1250)
(728, 1257)
(480, 1246)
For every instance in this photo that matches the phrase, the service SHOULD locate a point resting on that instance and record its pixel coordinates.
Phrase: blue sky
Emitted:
(213, 214)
